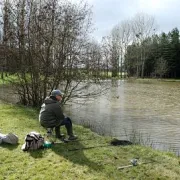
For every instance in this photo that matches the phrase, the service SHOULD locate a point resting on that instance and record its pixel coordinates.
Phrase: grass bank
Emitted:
(91, 164)
(153, 80)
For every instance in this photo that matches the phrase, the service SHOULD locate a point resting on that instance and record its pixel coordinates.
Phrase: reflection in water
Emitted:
(150, 110)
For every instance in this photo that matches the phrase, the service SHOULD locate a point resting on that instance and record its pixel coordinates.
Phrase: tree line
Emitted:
(156, 56)
(134, 47)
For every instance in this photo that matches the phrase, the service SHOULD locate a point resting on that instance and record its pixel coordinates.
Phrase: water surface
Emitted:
(144, 111)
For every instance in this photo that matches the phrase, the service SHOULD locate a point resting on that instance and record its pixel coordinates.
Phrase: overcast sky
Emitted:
(107, 13)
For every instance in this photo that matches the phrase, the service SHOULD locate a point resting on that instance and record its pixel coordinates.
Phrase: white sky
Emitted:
(107, 13)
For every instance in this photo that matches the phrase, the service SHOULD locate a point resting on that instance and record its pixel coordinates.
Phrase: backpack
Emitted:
(33, 141)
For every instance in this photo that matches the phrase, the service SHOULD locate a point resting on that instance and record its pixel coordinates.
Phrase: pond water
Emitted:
(8, 94)
(145, 112)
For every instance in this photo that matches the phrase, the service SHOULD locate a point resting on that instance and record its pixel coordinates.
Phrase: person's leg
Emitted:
(49, 132)
(68, 124)
(58, 132)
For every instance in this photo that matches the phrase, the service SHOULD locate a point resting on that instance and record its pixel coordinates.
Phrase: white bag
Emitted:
(2, 136)
(10, 138)
(0, 140)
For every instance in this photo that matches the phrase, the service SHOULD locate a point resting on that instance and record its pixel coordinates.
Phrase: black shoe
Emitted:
(72, 138)
(61, 136)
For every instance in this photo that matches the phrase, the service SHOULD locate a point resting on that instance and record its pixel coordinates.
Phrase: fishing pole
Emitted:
(85, 148)
(68, 141)
(115, 142)
(134, 162)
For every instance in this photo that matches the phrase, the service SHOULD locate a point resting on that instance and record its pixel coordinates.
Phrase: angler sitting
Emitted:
(51, 115)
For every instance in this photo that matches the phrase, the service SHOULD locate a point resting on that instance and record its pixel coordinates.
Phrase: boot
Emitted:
(58, 133)
(49, 136)
(49, 132)
(70, 133)
(72, 138)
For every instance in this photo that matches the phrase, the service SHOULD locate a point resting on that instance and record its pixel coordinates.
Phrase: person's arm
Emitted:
(58, 111)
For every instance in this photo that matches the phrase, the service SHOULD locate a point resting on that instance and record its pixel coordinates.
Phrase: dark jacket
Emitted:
(51, 114)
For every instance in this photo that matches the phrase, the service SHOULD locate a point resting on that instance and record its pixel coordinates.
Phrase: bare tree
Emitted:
(122, 34)
(48, 40)
(111, 46)
(106, 55)
(5, 35)
(143, 26)
(94, 59)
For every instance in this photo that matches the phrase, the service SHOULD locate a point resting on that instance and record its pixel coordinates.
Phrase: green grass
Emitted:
(8, 79)
(59, 163)
(14, 78)
(153, 81)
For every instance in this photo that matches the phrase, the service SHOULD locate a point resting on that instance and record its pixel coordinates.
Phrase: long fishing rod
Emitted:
(115, 142)
(85, 148)
(68, 141)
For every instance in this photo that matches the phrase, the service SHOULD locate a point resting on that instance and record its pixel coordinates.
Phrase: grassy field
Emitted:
(155, 80)
(14, 78)
(90, 164)
(8, 80)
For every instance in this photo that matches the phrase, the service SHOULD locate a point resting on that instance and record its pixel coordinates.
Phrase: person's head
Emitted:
(57, 94)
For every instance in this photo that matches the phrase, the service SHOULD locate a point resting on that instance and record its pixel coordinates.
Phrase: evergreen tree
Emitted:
(174, 64)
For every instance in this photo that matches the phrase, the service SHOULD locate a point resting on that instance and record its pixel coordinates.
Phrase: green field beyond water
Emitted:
(90, 164)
